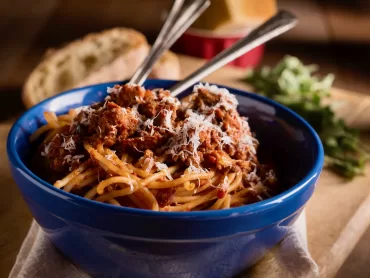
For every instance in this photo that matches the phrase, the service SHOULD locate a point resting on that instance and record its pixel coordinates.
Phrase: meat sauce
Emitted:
(203, 131)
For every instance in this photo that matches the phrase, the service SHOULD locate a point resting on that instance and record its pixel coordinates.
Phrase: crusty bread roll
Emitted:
(225, 16)
(107, 56)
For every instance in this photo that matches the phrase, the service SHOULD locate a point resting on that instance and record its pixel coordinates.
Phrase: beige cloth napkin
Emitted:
(38, 258)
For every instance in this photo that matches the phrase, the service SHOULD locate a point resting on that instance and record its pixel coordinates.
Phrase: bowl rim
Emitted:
(264, 205)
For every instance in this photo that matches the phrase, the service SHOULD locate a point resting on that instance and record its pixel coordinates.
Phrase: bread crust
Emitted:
(109, 55)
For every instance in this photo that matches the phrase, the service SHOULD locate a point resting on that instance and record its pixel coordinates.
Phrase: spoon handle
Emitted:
(183, 13)
(275, 26)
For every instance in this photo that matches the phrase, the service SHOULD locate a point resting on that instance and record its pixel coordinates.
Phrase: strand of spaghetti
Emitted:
(260, 188)
(184, 199)
(124, 157)
(139, 171)
(116, 160)
(51, 119)
(63, 182)
(137, 201)
(91, 193)
(149, 197)
(238, 201)
(39, 132)
(106, 164)
(187, 185)
(129, 159)
(220, 201)
(115, 194)
(217, 204)
(188, 206)
(236, 182)
(100, 148)
(203, 206)
(88, 181)
(151, 179)
(91, 173)
(227, 202)
(225, 181)
(103, 184)
(127, 167)
(72, 113)
(181, 180)
(243, 192)
(50, 136)
(183, 192)
(114, 202)
(118, 193)
(65, 118)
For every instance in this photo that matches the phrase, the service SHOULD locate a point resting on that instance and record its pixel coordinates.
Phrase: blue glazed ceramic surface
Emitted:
(109, 241)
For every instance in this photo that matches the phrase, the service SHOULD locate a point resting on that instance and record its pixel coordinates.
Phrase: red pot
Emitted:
(205, 44)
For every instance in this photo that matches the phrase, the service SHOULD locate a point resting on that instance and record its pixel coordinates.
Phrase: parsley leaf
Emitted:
(293, 84)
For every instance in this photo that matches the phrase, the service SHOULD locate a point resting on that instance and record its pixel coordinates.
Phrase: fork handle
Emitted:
(181, 16)
(275, 26)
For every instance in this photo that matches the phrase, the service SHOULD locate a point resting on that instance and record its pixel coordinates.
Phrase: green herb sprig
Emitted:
(293, 84)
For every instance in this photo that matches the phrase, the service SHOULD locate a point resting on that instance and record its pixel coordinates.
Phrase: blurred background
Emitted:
(332, 33)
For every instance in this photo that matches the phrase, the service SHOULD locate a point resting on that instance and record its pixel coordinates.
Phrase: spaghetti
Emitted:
(145, 149)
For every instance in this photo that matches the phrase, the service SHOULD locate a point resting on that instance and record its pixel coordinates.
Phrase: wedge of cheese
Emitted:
(232, 15)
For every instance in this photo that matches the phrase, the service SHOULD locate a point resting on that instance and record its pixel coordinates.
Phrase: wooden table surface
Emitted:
(332, 232)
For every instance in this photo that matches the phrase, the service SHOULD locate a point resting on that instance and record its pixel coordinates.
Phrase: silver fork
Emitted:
(275, 26)
(183, 13)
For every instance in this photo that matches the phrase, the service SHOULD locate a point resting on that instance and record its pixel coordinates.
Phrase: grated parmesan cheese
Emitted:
(68, 145)
(69, 158)
(81, 108)
(149, 124)
(114, 90)
(168, 119)
(246, 138)
(194, 169)
(130, 183)
(189, 133)
(148, 164)
(133, 112)
(109, 156)
(252, 176)
(163, 167)
(226, 140)
(225, 183)
(227, 100)
(46, 149)
(86, 116)
(171, 100)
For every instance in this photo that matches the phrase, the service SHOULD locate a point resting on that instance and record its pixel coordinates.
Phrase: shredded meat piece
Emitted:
(129, 95)
(111, 123)
(204, 98)
(61, 150)
(163, 196)
(218, 159)
(143, 142)
(115, 123)
(146, 161)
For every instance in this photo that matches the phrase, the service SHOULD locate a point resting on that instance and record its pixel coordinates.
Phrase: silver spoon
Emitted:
(183, 13)
(275, 26)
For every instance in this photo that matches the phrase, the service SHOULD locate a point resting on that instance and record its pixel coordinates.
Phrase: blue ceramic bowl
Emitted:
(109, 241)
